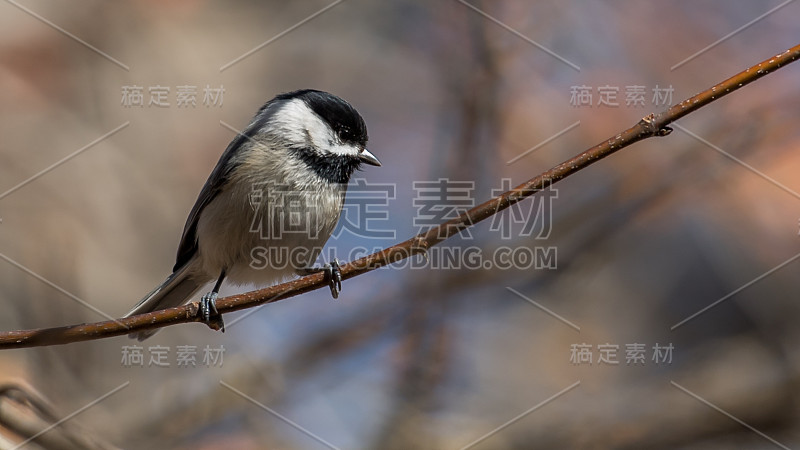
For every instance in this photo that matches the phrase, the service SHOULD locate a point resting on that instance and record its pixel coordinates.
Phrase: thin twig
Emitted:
(650, 126)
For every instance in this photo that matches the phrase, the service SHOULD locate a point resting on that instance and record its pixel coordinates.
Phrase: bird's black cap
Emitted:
(340, 115)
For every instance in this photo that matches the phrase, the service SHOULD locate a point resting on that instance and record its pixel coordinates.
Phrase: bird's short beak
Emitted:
(367, 157)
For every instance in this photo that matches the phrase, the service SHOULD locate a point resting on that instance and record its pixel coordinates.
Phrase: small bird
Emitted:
(277, 190)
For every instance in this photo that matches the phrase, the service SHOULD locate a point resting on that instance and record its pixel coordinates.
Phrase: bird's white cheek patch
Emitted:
(300, 125)
(344, 150)
(303, 126)
(319, 132)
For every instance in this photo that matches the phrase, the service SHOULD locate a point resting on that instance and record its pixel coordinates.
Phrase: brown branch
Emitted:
(650, 126)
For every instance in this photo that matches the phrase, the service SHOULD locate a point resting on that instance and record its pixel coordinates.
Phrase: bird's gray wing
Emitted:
(216, 182)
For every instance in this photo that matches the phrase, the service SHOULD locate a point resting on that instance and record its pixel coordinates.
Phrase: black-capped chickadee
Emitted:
(279, 186)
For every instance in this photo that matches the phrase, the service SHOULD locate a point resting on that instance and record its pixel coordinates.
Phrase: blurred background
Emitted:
(591, 350)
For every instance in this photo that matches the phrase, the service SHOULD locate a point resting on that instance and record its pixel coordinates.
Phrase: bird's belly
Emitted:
(267, 242)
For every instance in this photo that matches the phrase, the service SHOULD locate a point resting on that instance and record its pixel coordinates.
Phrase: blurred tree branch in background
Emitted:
(650, 126)
(26, 413)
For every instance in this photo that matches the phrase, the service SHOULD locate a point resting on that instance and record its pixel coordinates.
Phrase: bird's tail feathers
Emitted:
(176, 290)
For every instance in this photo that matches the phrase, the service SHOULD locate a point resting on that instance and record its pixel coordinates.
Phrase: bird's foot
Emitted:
(208, 312)
(333, 275)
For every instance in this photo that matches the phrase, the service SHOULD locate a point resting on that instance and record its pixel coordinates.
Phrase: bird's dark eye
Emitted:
(345, 133)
